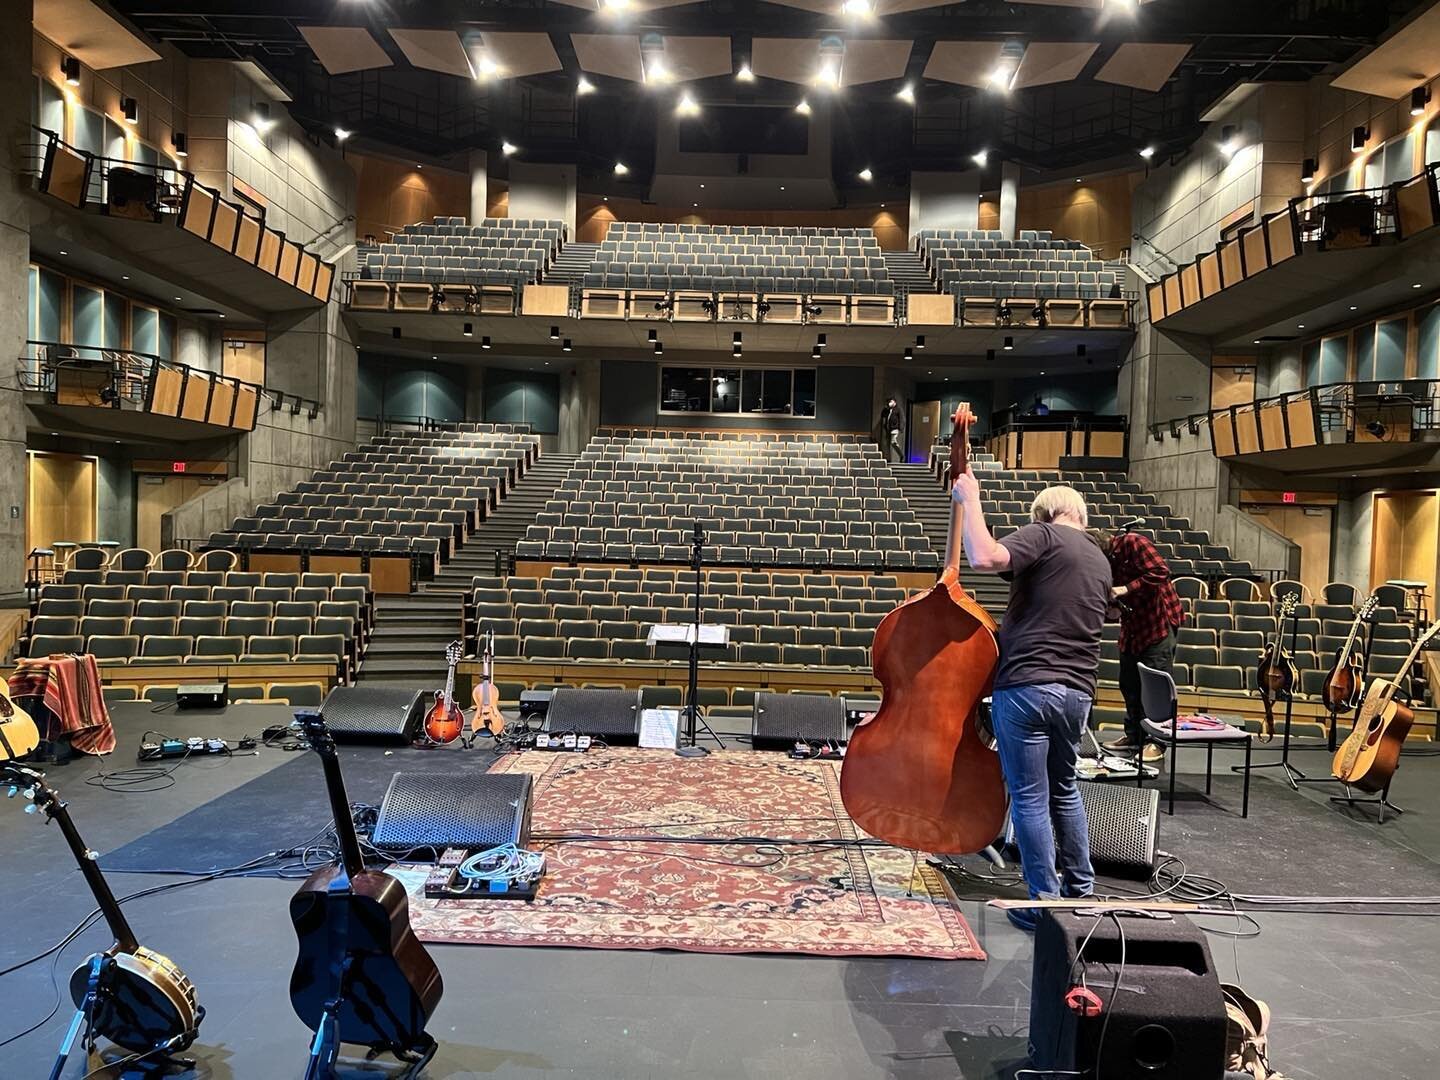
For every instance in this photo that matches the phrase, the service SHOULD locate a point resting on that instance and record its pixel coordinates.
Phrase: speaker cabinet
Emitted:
(612, 715)
(372, 713)
(1167, 1022)
(481, 810)
(781, 720)
(1124, 822)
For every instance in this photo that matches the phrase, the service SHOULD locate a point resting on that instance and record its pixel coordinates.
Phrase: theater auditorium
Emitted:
(651, 539)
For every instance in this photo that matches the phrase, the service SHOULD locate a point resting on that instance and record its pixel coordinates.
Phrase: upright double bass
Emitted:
(919, 774)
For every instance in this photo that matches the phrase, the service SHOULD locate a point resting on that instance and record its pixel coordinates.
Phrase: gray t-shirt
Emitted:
(1060, 588)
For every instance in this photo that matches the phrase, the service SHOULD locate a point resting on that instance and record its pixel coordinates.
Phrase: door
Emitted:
(924, 429)
(1309, 528)
(157, 495)
(60, 500)
(1403, 539)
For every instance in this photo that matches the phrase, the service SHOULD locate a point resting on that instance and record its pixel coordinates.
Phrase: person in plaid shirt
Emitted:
(1149, 613)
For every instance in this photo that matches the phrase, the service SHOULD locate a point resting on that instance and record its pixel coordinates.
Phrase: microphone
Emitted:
(1133, 523)
(699, 536)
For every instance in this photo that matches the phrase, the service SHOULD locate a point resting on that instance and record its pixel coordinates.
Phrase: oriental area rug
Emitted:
(743, 893)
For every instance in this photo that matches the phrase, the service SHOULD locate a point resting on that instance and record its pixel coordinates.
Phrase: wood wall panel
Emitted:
(1042, 449)
(247, 402)
(169, 384)
(60, 499)
(1107, 444)
(1232, 266)
(1252, 243)
(269, 258)
(247, 239)
(1222, 433)
(392, 194)
(1405, 538)
(1310, 531)
(289, 262)
(1272, 428)
(155, 496)
(222, 403)
(1231, 384)
(1209, 274)
(1174, 301)
(593, 218)
(195, 401)
(1247, 431)
(225, 225)
(1300, 417)
(199, 209)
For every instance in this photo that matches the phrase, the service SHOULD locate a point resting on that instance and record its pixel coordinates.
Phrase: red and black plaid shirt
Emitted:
(1150, 607)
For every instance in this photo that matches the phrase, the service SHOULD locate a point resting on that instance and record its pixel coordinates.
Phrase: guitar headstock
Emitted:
(1288, 603)
(1367, 608)
(454, 653)
(313, 731)
(31, 783)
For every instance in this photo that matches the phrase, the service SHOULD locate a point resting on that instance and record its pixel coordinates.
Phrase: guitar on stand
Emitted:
(1276, 675)
(1341, 690)
(487, 720)
(444, 722)
(139, 1000)
(361, 975)
(18, 734)
(1371, 753)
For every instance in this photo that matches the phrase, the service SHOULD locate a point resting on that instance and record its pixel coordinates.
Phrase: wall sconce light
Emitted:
(919, 341)
(1175, 430)
(652, 336)
(485, 342)
(1307, 170)
(1009, 344)
(659, 348)
(554, 333)
(70, 68)
(565, 346)
(1419, 98)
(130, 109)
(181, 143)
(909, 353)
(314, 409)
(1358, 138)
(295, 407)
(1157, 433)
(469, 330)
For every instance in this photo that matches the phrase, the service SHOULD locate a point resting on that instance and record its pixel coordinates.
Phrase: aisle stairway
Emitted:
(927, 498)
(411, 632)
(568, 268)
(907, 271)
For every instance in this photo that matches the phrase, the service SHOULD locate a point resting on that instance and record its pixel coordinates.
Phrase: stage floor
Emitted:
(1352, 995)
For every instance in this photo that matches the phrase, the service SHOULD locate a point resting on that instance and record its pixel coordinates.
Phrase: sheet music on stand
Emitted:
(660, 728)
(712, 635)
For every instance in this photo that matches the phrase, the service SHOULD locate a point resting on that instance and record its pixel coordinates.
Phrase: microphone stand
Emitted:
(692, 709)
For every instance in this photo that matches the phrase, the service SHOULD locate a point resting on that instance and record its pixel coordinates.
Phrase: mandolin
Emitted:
(143, 1002)
(18, 733)
(918, 774)
(1276, 675)
(361, 971)
(1344, 681)
(444, 722)
(1370, 754)
(488, 720)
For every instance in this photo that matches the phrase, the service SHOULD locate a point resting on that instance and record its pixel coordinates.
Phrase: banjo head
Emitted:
(147, 1002)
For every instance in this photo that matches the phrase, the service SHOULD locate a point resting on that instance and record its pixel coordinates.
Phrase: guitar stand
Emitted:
(325, 1047)
(81, 1028)
(1293, 776)
(1382, 800)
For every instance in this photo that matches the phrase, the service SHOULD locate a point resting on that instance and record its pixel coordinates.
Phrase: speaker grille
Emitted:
(376, 713)
(613, 715)
(422, 810)
(782, 719)
(1123, 823)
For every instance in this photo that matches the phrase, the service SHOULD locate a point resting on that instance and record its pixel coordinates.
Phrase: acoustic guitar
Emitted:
(1370, 754)
(487, 720)
(361, 972)
(18, 733)
(1343, 682)
(143, 1002)
(444, 722)
(1276, 676)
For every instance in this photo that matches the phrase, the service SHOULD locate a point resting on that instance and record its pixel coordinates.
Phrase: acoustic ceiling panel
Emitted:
(1145, 65)
(520, 54)
(789, 59)
(965, 63)
(90, 34)
(1408, 57)
(616, 55)
(345, 48)
(435, 50)
(689, 58)
(868, 60)
(1047, 62)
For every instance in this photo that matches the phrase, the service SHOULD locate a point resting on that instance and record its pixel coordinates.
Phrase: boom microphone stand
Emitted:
(692, 708)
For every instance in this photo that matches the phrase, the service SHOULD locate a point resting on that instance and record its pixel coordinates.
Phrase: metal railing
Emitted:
(1370, 212)
(159, 185)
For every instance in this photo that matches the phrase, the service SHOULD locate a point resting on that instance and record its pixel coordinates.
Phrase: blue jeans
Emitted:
(1038, 729)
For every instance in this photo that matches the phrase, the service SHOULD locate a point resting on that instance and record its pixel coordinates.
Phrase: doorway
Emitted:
(60, 501)
(157, 495)
(1310, 529)
(924, 429)
(1403, 538)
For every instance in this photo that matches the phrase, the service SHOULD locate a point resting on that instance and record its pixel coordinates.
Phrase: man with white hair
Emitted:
(1045, 681)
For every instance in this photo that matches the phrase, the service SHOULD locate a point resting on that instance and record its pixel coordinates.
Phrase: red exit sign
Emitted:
(1287, 496)
(179, 466)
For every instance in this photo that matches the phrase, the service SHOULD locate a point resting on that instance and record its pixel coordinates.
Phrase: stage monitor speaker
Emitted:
(470, 810)
(782, 720)
(1123, 828)
(611, 715)
(1167, 1022)
(373, 713)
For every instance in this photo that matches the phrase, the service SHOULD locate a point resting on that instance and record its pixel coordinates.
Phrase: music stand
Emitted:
(695, 637)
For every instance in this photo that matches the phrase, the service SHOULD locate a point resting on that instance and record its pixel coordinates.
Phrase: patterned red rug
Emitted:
(839, 900)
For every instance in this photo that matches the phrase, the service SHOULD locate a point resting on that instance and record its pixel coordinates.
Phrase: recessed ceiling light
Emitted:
(1147, 152)
(782, 188)
(1300, 326)
(1416, 285)
(694, 204)
(584, 86)
(907, 94)
(980, 157)
(803, 108)
(621, 169)
(1354, 307)
(177, 299)
(508, 148)
(124, 277)
(866, 175)
(341, 134)
(67, 253)
(702, 187)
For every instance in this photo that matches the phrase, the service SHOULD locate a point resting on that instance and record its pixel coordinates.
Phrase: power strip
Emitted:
(572, 744)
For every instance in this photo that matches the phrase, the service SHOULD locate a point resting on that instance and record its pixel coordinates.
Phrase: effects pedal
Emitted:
(445, 883)
(828, 751)
(569, 744)
(179, 748)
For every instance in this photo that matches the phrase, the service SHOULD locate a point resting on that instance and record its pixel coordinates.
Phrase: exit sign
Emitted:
(1287, 496)
(179, 466)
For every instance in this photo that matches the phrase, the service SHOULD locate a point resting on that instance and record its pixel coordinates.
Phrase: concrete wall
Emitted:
(579, 405)
(944, 200)
(543, 191)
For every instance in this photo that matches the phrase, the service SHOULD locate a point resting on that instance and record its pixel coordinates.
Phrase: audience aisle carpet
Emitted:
(828, 901)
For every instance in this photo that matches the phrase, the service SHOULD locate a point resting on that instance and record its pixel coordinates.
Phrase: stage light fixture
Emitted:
(1307, 170)
(858, 8)
(687, 105)
(659, 348)
(821, 341)
(181, 144)
(565, 345)
(295, 406)
(1358, 138)
(1147, 152)
(554, 333)
(1419, 98)
(584, 86)
(803, 108)
(1229, 139)
(1009, 344)
(745, 74)
(341, 134)
(70, 68)
(621, 169)
(469, 330)
(909, 353)
(866, 175)
(736, 339)
(907, 94)
(508, 148)
(980, 157)
(485, 342)
(260, 118)
(395, 332)
(652, 336)
(815, 353)
(919, 341)
(130, 109)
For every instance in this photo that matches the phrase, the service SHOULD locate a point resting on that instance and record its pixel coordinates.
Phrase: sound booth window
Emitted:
(730, 390)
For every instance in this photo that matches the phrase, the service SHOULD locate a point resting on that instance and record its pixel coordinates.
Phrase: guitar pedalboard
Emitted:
(446, 883)
(195, 746)
(569, 744)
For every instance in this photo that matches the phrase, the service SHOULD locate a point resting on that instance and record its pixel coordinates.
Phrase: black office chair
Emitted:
(1158, 699)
